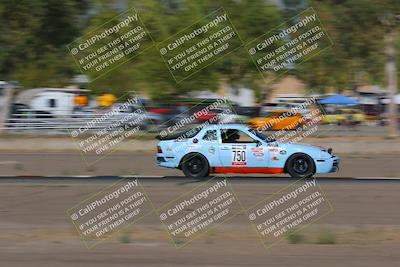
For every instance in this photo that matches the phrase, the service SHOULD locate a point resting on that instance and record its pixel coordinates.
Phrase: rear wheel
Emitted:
(195, 166)
(300, 165)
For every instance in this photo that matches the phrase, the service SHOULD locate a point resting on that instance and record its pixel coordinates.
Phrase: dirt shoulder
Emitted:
(37, 232)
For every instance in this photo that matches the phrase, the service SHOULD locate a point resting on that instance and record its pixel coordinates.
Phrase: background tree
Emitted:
(34, 35)
(358, 52)
(33, 38)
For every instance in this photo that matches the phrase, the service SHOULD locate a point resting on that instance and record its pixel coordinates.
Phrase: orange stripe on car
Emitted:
(246, 170)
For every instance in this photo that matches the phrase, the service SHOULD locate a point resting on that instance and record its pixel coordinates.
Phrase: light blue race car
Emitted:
(234, 148)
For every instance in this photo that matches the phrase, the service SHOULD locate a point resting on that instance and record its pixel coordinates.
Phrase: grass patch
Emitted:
(65, 173)
(19, 166)
(125, 238)
(179, 242)
(294, 237)
(326, 236)
(90, 168)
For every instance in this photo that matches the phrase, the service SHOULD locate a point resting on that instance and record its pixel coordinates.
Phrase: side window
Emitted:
(235, 136)
(210, 135)
(293, 115)
(52, 103)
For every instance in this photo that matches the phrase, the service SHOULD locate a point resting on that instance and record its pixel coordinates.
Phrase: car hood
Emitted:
(300, 147)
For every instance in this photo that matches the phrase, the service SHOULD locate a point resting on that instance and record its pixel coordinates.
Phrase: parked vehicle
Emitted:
(278, 120)
(133, 115)
(342, 116)
(56, 101)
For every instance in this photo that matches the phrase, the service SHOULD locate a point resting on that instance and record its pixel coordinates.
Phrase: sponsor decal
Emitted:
(273, 151)
(211, 150)
(258, 153)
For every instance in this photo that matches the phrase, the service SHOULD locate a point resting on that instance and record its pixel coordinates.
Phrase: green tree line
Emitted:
(34, 36)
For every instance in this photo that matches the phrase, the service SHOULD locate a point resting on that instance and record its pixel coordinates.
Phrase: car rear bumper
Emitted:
(167, 162)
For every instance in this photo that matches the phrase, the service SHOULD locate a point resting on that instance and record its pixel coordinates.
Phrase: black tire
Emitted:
(300, 165)
(195, 166)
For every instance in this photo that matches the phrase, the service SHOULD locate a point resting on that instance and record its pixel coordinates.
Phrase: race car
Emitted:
(235, 148)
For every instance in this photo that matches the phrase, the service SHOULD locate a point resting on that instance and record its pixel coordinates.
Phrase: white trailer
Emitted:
(56, 101)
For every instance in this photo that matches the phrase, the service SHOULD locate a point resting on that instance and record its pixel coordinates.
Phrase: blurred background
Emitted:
(44, 96)
(42, 90)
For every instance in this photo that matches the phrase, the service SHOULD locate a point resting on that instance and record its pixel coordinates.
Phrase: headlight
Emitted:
(324, 155)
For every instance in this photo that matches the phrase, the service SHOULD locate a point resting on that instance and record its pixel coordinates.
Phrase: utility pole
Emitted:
(390, 22)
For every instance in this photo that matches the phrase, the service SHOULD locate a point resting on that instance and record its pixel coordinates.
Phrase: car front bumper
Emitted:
(335, 164)
(328, 165)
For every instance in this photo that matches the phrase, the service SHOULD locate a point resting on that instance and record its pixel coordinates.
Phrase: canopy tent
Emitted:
(339, 100)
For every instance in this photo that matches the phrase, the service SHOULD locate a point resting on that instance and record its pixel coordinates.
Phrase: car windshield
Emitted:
(262, 136)
(266, 114)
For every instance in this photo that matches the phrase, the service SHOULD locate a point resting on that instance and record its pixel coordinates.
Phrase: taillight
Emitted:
(159, 149)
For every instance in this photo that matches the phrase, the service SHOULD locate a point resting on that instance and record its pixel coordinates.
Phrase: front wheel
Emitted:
(300, 165)
(195, 166)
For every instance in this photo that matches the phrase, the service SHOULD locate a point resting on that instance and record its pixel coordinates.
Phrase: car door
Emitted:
(209, 146)
(238, 149)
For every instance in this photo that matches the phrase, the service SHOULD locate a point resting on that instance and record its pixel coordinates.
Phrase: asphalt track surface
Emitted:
(143, 163)
(35, 230)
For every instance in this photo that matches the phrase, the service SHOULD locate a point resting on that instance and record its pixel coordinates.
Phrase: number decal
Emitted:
(239, 156)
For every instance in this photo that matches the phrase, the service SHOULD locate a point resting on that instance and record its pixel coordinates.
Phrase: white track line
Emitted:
(160, 177)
